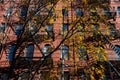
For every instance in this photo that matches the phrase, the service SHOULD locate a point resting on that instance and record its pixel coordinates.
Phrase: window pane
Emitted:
(49, 28)
(8, 12)
(65, 27)
(2, 27)
(64, 52)
(66, 76)
(23, 11)
(64, 12)
(118, 11)
(81, 27)
(46, 49)
(18, 29)
(96, 26)
(83, 54)
(79, 12)
(117, 49)
(29, 52)
(10, 53)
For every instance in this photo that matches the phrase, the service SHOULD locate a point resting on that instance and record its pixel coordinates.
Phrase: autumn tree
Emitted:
(85, 28)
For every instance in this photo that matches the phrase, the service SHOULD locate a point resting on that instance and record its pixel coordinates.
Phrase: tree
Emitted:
(82, 24)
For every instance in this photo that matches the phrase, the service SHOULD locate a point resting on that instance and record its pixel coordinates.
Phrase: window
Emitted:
(118, 11)
(24, 75)
(46, 49)
(49, 30)
(117, 49)
(45, 75)
(29, 52)
(64, 28)
(83, 54)
(64, 12)
(1, 1)
(8, 12)
(18, 30)
(2, 27)
(64, 52)
(66, 76)
(107, 12)
(23, 11)
(112, 30)
(33, 29)
(81, 26)
(79, 12)
(93, 12)
(116, 0)
(96, 26)
(11, 52)
(4, 76)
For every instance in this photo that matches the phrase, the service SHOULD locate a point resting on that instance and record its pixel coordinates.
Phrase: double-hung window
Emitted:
(64, 52)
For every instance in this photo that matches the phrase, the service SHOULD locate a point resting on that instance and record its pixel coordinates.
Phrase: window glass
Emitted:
(64, 52)
(29, 52)
(64, 12)
(46, 49)
(66, 76)
(117, 49)
(96, 26)
(2, 27)
(11, 52)
(65, 27)
(23, 11)
(18, 29)
(81, 26)
(83, 54)
(8, 12)
(33, 29)
(107, 12)
(49, 28)
(79, 12)
(118, 11)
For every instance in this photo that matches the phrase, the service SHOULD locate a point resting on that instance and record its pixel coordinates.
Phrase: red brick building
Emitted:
(13, 19)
